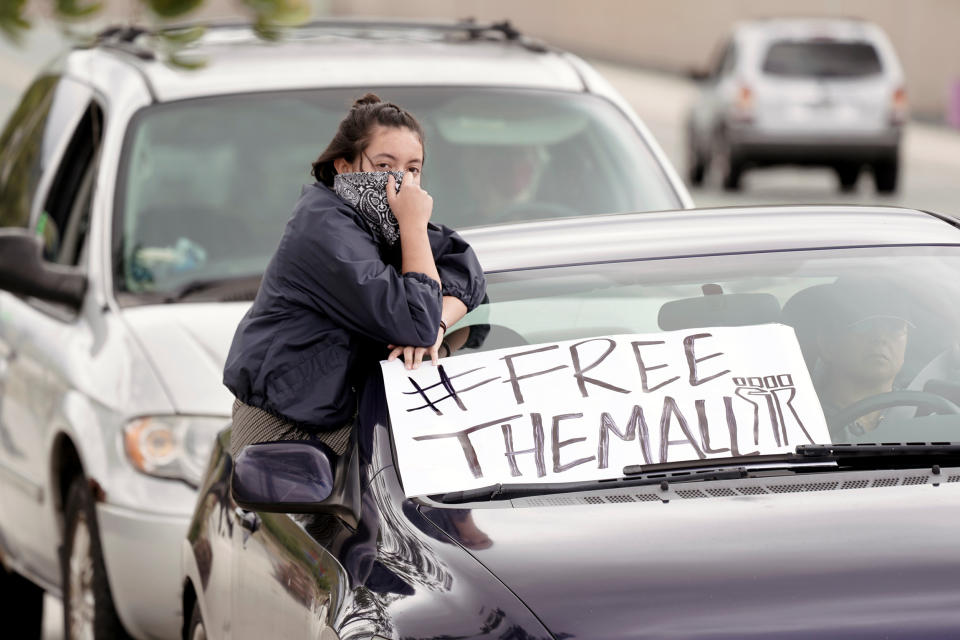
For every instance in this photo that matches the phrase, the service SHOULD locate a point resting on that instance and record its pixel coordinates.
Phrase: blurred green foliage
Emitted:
(12, 22)
(77, 9)
(175, 41)
(267, 15)
(172, 8)
(280, 12)
(271, 14)
(20, 161)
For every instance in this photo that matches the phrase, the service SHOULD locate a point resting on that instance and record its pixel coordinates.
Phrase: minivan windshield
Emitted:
(878, 328)
(208, 184)
(821, 59)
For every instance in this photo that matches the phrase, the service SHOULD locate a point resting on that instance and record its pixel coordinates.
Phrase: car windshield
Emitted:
(867, 321)
(821, 59)
(208, 184)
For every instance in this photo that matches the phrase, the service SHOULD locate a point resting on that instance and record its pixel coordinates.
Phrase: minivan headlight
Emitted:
(172, 446)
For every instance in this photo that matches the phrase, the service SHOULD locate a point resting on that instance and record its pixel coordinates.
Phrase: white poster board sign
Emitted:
(584, 409)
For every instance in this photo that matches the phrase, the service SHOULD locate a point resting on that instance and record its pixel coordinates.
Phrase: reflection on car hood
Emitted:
(856, 563)
(187, 344)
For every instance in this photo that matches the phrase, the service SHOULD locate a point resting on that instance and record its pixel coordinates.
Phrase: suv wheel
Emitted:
(21, 607)
(696, 171)
(885, 173)
(88, 610)
(847, 174)
(729, 164)
(731, 177)
(696, 163)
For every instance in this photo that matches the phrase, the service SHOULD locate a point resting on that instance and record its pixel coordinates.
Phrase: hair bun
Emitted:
(370, 98)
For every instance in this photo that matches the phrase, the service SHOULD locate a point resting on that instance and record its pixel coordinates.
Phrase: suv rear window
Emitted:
(821, 59)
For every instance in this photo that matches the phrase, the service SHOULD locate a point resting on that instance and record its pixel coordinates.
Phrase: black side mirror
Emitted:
(23, 271)
(297, 476)
(698, 75)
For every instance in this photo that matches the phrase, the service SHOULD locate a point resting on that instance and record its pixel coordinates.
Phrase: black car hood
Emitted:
(855, 563)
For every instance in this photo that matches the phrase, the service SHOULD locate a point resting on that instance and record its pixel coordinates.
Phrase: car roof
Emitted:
(699, 232)
(233, 58)
(808, 28)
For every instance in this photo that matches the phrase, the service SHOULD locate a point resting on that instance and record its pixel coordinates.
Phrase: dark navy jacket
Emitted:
(331, 299)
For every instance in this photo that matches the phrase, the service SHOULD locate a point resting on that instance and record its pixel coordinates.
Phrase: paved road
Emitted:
(931, 178)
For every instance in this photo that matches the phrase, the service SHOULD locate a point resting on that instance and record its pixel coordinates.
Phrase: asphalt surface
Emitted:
(930, 176)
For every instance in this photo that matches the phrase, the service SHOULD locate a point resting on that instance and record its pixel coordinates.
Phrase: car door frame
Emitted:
(43, 367)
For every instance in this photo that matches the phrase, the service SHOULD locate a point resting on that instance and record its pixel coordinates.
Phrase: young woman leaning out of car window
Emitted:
(360, 274)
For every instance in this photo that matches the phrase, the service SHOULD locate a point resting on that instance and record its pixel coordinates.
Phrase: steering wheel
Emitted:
(931, 401)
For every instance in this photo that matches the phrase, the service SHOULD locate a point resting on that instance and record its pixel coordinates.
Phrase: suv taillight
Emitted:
(898, 106)
(743, 104)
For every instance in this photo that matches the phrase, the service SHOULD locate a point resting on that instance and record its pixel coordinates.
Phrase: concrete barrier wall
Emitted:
(679, 34)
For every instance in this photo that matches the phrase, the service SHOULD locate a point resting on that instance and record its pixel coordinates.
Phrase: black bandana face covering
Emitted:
(366, 191)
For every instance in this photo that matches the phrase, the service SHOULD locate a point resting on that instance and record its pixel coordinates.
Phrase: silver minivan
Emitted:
(824, 92)
(143, 188)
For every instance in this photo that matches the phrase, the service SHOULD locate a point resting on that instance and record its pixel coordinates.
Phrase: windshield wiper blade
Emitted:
(810, 455)
(813, 457)
(766, 461)
(879, 450)
(524, 490)
(806, 458)
(228, 288)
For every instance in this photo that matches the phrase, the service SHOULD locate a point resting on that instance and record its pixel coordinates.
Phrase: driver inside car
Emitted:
(862, 340)
(500, 178)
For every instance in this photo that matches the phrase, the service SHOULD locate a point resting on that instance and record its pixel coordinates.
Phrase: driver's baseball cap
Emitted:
(861, 305)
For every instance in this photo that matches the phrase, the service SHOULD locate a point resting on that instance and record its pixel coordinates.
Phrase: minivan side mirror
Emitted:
(297, 476)
(23, 271)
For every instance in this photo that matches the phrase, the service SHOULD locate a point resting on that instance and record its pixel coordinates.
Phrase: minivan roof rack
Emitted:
(469, 27)
(123, 38)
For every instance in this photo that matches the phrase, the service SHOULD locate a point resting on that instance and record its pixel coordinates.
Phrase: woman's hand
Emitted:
(413, 356)
(411, 205)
